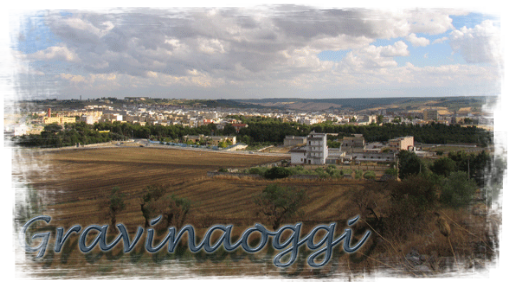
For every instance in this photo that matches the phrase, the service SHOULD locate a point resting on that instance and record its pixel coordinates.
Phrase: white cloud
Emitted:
(272, 46)
(440, 40)
(417, 41)
(480, 44)
(4, 27)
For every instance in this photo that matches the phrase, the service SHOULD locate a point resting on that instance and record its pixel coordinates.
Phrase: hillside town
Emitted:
(32, 119)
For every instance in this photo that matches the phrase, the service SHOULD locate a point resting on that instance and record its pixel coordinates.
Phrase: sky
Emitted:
(262, 51)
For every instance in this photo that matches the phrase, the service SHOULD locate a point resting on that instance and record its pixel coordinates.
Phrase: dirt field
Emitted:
(70, 183)
(6, 119)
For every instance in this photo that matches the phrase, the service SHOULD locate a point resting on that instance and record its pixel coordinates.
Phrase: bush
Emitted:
(411, 201)
(277, 172)
(358, 173)
(457, 190)
(391, 171)
(258, 170)
(500, 194)
(223, 169)
(369, 175)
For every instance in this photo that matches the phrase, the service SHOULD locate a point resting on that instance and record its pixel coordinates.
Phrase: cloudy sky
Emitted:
(256, 52)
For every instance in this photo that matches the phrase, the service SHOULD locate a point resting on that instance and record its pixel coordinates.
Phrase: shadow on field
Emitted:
(182, 255)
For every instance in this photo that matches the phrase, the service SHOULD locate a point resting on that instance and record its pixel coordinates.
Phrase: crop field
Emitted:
(71, 183)
(6, 119)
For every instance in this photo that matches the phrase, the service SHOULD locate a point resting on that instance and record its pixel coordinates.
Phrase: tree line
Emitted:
(259, 130)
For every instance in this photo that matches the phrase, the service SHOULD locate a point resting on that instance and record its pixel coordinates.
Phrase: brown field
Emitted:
(6, 119)
(71, 182)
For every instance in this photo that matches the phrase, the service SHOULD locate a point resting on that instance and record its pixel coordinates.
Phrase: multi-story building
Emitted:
(431, 115)
(314, 152)
(295, 140)
(401, 143)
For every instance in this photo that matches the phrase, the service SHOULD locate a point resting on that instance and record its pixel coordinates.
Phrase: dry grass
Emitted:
(83, 176)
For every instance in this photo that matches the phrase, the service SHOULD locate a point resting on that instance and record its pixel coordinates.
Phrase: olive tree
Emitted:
(277, 203)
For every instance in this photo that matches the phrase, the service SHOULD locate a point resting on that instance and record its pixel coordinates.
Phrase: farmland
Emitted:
(70, 183)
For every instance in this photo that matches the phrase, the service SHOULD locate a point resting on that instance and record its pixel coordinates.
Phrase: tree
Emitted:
(443, 166)
(457, 190)
(277, 172)
(173, 208)
(19, 201)
(380, 119)
(115, 203)
(409, 164)
(151, 193)
(278, 203)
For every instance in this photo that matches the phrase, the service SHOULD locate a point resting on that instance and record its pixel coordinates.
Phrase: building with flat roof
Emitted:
(402, 143)
(295, 140)
(430, 115)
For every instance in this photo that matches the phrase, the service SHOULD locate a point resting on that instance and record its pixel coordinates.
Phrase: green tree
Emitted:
(115, 202)
(457, 190)
(174, 209)
(19, 201)
(278, 203)
(409, 164)
(443, 166)
(151, 193)
(277, 172)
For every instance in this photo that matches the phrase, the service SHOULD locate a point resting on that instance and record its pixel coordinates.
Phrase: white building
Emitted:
(314, 152)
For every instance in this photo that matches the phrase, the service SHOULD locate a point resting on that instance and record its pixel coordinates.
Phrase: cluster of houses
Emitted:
(313, 149)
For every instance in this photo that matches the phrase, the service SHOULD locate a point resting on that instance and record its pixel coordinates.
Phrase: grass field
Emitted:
(70, 183)
(6, 119)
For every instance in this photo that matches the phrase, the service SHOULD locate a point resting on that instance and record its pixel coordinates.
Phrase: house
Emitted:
(402, 143)
(314, 152)
(354, 143)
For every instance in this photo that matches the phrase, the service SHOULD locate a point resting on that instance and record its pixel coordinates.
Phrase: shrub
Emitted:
(411, 200)
(358, 173)
(369, 175)
(223, 169)
(277, 172)
(258, 170)
(457, 190)
(391, 171)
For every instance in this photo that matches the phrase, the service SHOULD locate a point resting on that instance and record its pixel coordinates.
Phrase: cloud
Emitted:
(440, 40)
(267, 46)
(417, 41)
(20, 37)
(4, 27)
(22, 69)
(480, 44)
